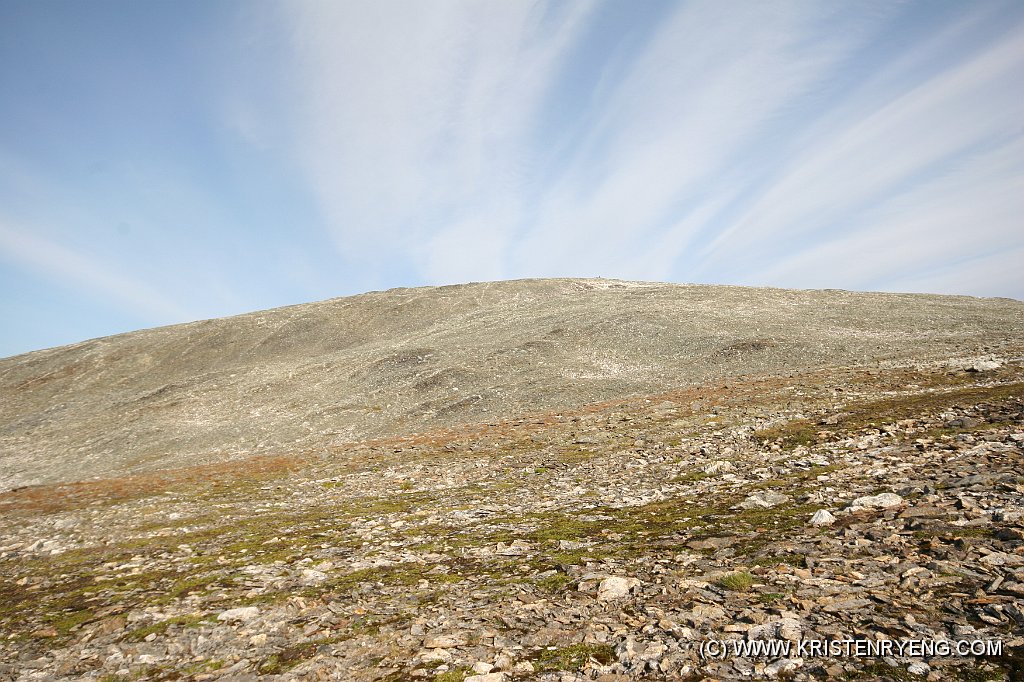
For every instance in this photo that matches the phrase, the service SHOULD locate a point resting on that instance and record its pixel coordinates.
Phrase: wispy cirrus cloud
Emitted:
(709, 142)
(411, 122)
(680, 127)
(24, 249)
(209, 159)
(919, 170)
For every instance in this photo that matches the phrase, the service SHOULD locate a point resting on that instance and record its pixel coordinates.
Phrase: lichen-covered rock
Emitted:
(880, 501)
(616, 587)
(239, 615)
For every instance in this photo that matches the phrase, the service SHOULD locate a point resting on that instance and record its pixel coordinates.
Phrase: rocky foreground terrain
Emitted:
(690, 533)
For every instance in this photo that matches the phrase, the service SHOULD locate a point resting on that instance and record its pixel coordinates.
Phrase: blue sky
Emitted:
(166, 161)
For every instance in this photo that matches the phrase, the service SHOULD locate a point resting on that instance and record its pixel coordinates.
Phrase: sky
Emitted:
(174, 160)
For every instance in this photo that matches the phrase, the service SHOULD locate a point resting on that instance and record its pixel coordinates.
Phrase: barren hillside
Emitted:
(407, 360)
(537, 481)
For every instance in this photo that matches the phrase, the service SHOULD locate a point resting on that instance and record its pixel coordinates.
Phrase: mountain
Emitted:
(538, 480)
(310, 376)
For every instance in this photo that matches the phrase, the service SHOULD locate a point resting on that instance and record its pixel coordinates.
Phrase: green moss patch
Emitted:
(572, 658)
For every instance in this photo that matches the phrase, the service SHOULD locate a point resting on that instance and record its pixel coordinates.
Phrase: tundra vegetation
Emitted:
(601, 540)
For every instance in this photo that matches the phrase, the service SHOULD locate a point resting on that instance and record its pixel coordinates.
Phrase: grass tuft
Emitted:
(736, 582)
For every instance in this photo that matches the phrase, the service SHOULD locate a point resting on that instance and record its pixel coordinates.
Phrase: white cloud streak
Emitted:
(719, 151)
(847, 170)
(972, 215)
(709, 83)
(414, 110)
(76, 271)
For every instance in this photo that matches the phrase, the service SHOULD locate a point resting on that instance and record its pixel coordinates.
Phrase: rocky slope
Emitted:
(609, 543)
(822, 518)
(409, 360)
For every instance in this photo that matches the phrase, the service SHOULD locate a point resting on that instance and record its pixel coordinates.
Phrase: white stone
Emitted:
(240, 615)
(764, 631)
(783, 665)
(790, 629)
(445, 641)
(999, 559)
(822, 517)
(718, 466)
(655, 651)
(880, 501)
(517, 548)
(764, 500)
(313, 577)
(616, 587)
(504, 661)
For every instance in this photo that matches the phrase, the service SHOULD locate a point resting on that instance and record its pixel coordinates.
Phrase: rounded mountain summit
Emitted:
(306, 377)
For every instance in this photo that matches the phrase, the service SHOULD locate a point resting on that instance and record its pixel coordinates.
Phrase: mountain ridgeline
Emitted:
(380, 364)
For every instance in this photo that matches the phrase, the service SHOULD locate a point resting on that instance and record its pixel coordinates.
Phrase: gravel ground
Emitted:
(626, 540)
